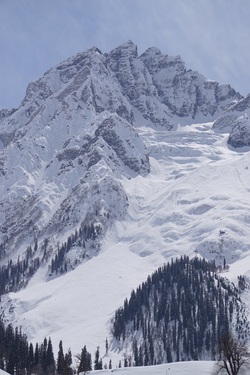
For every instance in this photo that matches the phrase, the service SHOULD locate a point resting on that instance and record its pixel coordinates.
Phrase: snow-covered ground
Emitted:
(181, 368)
(195, 200)
(3, 372)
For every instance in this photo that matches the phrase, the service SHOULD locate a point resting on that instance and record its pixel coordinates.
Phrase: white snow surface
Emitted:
(195, 200)
(3, 372)
(181, 368)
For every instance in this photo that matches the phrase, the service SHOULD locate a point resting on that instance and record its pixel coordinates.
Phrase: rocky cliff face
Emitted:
(235, 121)
(65, 150)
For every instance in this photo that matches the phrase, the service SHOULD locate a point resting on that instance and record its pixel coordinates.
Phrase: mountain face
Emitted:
(75, 135)
(236, 122)
(124, 157)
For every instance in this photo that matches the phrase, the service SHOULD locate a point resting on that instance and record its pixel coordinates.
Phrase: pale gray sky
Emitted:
(212, 36)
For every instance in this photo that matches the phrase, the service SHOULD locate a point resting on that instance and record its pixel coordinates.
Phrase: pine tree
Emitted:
(107, 346)
(50, 361)
(61, 365)
(68, 361)
(135, 353)
(125, 361)
(110, 364)
(11, 363)
(85, 364)
(100, 365)
(44, 354)
(98, 362)
(140, 357)
(36, 356)
(31, 359)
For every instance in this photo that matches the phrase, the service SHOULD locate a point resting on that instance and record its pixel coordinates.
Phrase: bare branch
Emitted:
(232, 354)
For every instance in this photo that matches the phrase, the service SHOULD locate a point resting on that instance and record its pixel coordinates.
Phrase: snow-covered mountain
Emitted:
(112, 165)
(76, 134)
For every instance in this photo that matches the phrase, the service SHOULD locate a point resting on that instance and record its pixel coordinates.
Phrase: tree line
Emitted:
(15, 275)
(18, 356)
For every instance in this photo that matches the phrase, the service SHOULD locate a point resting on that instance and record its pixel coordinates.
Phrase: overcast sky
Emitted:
(212, 36)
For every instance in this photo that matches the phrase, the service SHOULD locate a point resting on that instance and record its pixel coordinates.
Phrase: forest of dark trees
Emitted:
(15, 275)
(79, 238)
(179, 313)
(19, 357)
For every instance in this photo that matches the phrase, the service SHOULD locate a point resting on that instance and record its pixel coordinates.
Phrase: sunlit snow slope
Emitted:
(195, 200)
(181, 368)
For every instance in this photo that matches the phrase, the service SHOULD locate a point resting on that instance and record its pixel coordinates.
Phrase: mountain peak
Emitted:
(128, 49)
(153, 51)
(154, 58)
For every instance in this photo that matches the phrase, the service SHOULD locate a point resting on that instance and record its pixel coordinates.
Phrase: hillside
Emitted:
(179, 314)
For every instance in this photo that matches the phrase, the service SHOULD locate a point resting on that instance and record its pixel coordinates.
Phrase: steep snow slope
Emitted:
(195, 199)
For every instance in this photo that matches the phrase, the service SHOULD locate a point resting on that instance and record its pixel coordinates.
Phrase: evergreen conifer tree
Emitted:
(50, 360)
(97, 363)
(85, 364)
(68, 361)
(61, 366)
